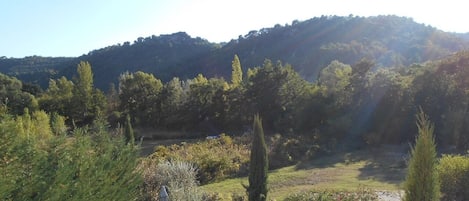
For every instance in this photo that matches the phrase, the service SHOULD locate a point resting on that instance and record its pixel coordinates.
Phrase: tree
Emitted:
(206, 104)
(258, 166)
(57, 123)
(388, 95)
(173, 98)
(82, 92)
(237, 72)
(13, 97)
(358, 80)
(129, 131)
(84, 82)
(336, 78)
(87, 102)
(274, 92)
(139, 95)
(422, 181)
(58, 97)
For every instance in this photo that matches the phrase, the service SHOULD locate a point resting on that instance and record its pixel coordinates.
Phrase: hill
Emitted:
(311, 45)
(34, 68)
(308, 45)
(166, 56)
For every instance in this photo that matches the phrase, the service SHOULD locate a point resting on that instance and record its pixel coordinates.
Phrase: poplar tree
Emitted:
(422, 182)
(87, 103)
(236, 72)
(258, 166)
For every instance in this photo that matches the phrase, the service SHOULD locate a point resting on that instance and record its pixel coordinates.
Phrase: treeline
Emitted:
(358, 104)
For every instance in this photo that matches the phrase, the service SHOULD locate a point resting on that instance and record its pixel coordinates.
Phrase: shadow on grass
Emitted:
(383, 172)
(328, 160)
(385, 164)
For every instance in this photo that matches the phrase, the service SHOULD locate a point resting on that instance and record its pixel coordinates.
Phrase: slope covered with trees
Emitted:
(308, 46)
(312, 44)
(34, 69)
(355, 82)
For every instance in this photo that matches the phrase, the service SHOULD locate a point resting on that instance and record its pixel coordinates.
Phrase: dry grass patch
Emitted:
(341, 172)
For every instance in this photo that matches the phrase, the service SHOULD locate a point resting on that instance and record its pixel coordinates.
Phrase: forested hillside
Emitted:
(35, 69)
(325, 85)
(166, 56)
(309, 46)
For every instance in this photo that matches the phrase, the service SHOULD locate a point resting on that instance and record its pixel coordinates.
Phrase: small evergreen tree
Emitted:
(422, 182)
(258, 166)
(129, 131)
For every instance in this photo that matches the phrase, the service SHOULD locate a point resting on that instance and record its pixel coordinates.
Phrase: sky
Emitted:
(76, 27)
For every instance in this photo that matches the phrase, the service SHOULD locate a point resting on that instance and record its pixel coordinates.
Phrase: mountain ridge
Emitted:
(309, 45)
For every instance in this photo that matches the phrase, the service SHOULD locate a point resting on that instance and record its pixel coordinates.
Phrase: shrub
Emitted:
(454, 177)
(361, 194)
(178, 176)
(223, 197)
(285, 151)
(215, 159)
(37, 165)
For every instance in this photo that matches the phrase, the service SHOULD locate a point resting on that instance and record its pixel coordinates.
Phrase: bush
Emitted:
(215, 159)
(222, 197)
(178, 176)
(454, 177)
(285, 151)
(361, 194)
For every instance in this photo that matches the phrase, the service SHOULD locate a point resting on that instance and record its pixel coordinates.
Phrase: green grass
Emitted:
(380, 169)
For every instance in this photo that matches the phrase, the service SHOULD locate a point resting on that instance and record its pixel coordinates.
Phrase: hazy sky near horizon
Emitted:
(75, 27)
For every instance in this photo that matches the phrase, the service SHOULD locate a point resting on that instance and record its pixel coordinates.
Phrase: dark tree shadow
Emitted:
(386, 163)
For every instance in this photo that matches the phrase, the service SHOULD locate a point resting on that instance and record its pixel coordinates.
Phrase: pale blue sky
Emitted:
(75, 27)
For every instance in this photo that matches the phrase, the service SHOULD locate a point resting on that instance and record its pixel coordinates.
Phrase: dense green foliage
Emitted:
(13, 96)
(139, 96)
(422, 182)
(348, 103)
(39, 163)
(258, 164)
(76, 100)
(231, 159)
(454, 176)
(351, 103)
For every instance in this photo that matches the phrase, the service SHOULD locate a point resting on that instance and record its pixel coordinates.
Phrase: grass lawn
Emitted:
(377, 169)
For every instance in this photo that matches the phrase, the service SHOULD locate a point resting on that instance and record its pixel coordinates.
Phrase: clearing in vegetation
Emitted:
(380, 169)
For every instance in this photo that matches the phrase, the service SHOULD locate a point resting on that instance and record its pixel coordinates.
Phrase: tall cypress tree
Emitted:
(258, 166)
(422, 182)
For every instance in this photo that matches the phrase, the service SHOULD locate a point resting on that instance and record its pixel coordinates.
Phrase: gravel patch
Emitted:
(389, 196)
